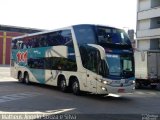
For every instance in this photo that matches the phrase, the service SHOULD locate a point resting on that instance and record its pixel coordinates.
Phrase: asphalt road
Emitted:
(39, 99)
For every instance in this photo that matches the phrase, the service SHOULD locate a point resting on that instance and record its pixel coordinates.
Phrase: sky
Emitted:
(52, 14)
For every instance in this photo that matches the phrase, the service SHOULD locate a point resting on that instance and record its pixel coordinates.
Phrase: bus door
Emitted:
(90, 59)
(92, 81)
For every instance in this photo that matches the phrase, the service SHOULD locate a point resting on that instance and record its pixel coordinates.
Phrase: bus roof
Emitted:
(40, 33)
(69, 27)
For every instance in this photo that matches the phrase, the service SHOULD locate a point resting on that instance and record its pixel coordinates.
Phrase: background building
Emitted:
(148, 25)
(6, 34)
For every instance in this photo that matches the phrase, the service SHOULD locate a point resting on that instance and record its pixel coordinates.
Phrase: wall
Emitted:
(5, 46)
(144, 5)
(143, 44)
(1, 47)
(143, 24)
(148, 25)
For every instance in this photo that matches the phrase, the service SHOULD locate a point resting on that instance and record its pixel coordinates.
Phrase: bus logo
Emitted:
(22, 57)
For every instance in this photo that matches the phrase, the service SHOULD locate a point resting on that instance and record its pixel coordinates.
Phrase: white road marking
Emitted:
(49, 112)
(52, 114)
(113, 95)
(18, 96)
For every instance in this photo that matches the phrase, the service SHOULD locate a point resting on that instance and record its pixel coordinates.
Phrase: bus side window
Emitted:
(19, 44)
(84, 54)
(59, 37)
(90, 58)
(52, 39)
(14, 44)
(103, 69)
(93, 60)
(66, 36)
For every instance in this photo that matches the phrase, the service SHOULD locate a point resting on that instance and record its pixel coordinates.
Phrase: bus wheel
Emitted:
(153, 86)
(26, 79)
(76, 87)
(138, 85)
(20, 79)
(63, 85)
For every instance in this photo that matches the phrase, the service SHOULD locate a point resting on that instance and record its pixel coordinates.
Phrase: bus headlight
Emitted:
(105, 82)
(133, 81)
(104, 89)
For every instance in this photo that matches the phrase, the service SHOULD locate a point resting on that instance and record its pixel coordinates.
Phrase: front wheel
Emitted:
(153, 86)
(76, 88)
(138, 85)
(63, 85)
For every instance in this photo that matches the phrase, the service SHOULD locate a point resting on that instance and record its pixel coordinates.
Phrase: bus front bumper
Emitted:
(110, 89)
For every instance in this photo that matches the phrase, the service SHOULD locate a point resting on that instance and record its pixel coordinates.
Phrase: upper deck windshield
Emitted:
(90, 34)
(120, 65)
(112, 36)
(85, 34)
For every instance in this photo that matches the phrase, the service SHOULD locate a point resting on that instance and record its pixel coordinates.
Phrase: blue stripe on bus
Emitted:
(39, 74)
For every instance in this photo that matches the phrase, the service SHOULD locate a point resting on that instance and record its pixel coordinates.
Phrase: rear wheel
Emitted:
(138, 85)
(76, 87)
(153, 86)
(63, 85)
(26, 79)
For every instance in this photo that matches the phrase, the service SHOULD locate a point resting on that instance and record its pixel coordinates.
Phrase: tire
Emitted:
(20, 79)
(76, 87)
(63, 85)
(26, 79)
(153, 86)
(138, 85)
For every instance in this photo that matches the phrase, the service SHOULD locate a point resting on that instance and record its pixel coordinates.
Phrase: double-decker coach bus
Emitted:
(92, 58)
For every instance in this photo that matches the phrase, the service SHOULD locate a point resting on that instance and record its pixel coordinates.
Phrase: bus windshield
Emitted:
(112, 36)
(85, 34)
(120, 65)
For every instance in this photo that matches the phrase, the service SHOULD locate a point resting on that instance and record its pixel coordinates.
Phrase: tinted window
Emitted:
(59, 38)
(85, 34)
(53, 63)
(62, 37)
(112, 35)
(120, 65)
(114, 64)
(84, 54)
(90, 58)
